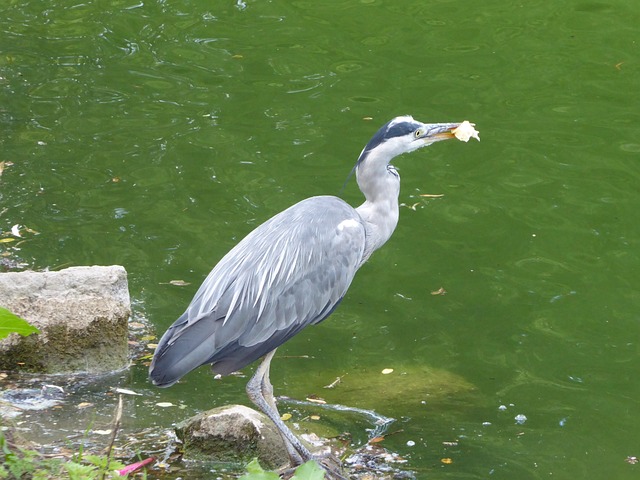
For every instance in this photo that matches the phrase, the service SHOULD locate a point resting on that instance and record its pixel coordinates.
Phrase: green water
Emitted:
(156, 134)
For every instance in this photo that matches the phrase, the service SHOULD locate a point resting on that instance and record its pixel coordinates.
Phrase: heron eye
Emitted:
(418, 133)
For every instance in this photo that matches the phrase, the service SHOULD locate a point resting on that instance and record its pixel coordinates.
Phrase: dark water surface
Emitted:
(156, 134)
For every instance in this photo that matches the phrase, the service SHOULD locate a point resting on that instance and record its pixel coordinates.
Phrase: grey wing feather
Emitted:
(290, 272)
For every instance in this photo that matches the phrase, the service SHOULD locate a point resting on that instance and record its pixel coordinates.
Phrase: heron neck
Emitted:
(379, 212)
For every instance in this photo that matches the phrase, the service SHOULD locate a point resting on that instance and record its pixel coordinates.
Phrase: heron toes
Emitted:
(331, 465)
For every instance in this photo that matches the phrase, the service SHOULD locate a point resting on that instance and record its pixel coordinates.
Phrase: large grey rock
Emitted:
(82, 314)
(233, 433)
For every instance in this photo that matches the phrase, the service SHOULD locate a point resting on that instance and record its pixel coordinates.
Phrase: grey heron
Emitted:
(290, 272)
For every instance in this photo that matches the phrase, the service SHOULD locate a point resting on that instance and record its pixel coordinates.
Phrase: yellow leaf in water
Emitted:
(7, 240)
(84, 405)
(387, 371)
(164, 404)
(315, 417)
(446, 461)
(286, 416)
(179, 283)
(377, 439)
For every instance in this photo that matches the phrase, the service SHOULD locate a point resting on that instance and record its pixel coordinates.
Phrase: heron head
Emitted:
(404, 134)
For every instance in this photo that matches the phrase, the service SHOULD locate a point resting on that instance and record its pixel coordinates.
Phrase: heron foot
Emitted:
(331, 465)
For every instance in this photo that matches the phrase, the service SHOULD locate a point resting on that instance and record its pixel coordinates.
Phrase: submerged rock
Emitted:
(233, 433)
(82, 315)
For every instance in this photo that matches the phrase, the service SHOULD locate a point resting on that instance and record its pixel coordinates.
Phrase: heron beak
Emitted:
(439, 131)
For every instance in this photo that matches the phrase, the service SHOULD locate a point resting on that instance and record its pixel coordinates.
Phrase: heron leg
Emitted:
(260, 392)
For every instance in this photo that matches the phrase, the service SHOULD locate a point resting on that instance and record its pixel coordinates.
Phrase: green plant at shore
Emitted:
(11, 323)
(25, 464)
(307, 471)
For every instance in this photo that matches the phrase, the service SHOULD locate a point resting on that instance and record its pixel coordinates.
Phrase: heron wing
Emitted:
(290, 272)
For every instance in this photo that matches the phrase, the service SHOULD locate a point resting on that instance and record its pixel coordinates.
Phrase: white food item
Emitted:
(465, 131)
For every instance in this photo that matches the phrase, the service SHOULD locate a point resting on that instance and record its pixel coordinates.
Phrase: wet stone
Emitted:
(81, 312)
(233, 433)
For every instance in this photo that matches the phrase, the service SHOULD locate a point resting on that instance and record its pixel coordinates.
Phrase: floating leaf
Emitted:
(164, 404)
(125, 391)
(316, 400)
(314, 417)
(387, 371)
(179, 283)
(446, 461)
(286, 416)
(440, 291)
(7, 240)
(334, 383)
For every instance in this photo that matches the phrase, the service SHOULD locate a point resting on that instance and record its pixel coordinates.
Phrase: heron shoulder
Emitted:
(310, 236)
